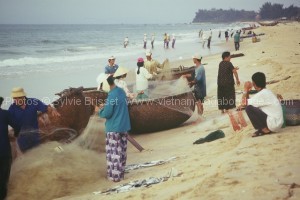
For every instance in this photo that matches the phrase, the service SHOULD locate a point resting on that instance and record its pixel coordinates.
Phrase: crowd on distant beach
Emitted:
(166, 41)
(205, 36)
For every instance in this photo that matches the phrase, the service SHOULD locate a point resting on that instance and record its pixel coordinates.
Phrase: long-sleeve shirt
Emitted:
(152, 65)
(142, 79)
(200, 79)
(116, 111)
(5, 120)
(27, 119)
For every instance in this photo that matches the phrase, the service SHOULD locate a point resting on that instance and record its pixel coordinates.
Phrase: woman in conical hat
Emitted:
(119, 76)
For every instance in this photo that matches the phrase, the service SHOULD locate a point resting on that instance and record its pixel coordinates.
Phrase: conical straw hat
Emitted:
(120, 71)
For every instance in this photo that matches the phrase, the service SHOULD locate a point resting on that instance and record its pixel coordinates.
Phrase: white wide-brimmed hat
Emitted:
(148, 52)
(120, 71)
(17, 92)
(197, 56)
(111, 58)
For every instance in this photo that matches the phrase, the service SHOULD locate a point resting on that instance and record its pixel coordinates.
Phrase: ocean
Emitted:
(45, 59)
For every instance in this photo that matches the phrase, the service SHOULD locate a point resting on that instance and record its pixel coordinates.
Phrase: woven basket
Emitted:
(292, 111)
(157, 114)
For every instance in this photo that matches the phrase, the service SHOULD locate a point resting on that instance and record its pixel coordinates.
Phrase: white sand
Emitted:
(235, 167)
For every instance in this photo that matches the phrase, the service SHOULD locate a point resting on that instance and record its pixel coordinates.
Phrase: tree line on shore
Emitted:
(268, 11)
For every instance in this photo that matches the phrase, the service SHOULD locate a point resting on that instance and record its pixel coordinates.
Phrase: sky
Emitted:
(117, 11)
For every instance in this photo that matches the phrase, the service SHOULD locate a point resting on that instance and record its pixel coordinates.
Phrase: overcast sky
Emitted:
(117, 11)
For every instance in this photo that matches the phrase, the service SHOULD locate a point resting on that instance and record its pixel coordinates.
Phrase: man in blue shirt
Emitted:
(24, 112)
(117, 125)
(111, 68)
(5, 150)
(199, 83)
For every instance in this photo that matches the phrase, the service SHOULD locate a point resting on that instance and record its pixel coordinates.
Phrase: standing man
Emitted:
(226, 35)
(173, 40)
(117, 126)
(226, 90)
(111, 68)
(204, 38)
(145, 41)
(152, 40)
(263, 109)
(5, 150)
(199, 82)
(168, 41)
(209, 38)
(24, 113)
(236, 38)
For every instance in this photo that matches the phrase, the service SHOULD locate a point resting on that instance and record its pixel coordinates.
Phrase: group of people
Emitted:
(115, 111)
(22, 116)
(167, 40)
(146, 69)
(264, 110)
(206, 37)
(152, 41)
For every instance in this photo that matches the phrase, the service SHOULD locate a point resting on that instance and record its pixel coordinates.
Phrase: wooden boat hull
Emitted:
(174, 74)
(74, 113)
(154, 114)
(161, 114)
(236, 55)
(268, 23)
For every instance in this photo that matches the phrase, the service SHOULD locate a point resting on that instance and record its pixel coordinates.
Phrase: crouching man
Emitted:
(263, 109)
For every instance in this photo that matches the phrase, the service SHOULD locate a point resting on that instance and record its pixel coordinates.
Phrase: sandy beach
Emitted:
(235, 167)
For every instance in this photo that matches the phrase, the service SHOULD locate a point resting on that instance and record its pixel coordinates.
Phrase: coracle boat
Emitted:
(249, 28)
(74, 112)
(162, 113)
(175, 73)
(76, 105)
(291, 111)
(152, 114)
(274, 23)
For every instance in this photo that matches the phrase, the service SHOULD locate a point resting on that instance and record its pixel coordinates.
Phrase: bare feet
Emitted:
(266, 130)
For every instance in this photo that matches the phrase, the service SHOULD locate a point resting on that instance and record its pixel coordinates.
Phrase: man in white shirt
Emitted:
(126, 42)
(263, 109)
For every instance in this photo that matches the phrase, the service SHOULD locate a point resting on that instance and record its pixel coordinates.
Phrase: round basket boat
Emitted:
(162, 113)
(292, 111)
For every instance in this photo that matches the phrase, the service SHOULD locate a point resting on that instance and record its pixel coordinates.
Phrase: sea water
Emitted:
(45, 59)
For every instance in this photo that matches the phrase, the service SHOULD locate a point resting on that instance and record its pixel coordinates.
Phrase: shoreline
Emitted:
(53, 82)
